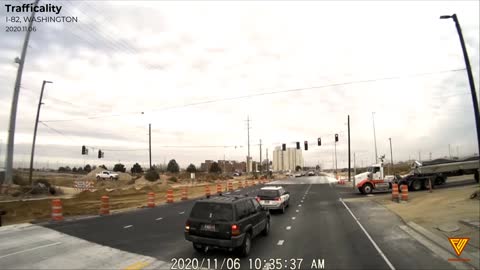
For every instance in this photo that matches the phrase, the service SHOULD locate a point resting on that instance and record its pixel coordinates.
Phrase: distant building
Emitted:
(287, 160)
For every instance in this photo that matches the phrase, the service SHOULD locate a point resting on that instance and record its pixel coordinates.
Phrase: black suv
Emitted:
(226, 222)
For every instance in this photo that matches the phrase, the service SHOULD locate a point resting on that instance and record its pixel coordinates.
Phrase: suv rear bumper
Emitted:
(236, 241)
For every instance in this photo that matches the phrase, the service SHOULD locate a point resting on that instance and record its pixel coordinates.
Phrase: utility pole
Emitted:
(35, 131)
(374, 137)
(335, 145)
(419, 156)
(261, 169)
(16, 93)
(449, 152)
(391, 154)
(430, 155)
(150, 144)
(268, 164)
(248, 140)
(349, 167)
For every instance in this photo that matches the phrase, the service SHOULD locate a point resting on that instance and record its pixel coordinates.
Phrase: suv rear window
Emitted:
(268, 193)
(212, 211)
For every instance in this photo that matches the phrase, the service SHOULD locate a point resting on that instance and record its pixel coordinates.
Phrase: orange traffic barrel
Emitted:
(394, 192)
(184, 194)
(207, 190)
(151, 200)
(104, 206)
(219, 188)
(170, 196)
(246, 183)
(57, 210)
(240, 184)
(404, 193)
(230, 186)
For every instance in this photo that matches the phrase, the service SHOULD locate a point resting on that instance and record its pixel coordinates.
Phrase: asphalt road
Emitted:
(318, 229)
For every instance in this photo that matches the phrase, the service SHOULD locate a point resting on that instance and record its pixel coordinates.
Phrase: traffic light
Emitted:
(84, 150)
(100, 154)
(336, 137)
(306, 145)
(319, 141)
(284, 147)
(298, 145)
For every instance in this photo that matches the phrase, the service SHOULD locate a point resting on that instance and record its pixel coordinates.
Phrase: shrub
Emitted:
(173, 179)
(191, 168)
(119, 167)
(172, 166)
(152, 175)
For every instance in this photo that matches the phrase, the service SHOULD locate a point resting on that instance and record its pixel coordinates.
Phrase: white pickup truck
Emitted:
(107, 175)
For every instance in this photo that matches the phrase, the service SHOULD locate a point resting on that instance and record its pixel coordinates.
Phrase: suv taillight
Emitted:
(235, 230)
(277, 199)
(187, 227)
(257, 198)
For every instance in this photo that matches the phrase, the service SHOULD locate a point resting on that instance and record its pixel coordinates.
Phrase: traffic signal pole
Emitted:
(348, 123)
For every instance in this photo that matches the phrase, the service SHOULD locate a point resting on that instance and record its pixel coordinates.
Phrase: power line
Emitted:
(254, 95)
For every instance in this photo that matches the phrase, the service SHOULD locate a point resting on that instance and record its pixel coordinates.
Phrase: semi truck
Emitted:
(421, 176)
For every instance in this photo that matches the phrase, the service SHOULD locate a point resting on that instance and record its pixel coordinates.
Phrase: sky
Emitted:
(397, 60)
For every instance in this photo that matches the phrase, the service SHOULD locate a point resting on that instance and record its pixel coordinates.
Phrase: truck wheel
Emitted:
(367, 188)
(417, 185)
(438, 181)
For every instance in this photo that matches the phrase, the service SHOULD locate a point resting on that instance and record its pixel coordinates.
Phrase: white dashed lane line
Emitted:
(297, 210)
(293, 218)
(288, 228)
(301, 201)
(280, 242)
(128, 226)
(181, 213)
(299, 205)
(159, 218)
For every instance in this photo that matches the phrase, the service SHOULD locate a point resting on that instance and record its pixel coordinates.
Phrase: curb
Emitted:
(437, 240)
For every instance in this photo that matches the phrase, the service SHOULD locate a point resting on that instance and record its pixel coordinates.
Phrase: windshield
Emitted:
(212, 211)
(268, 193)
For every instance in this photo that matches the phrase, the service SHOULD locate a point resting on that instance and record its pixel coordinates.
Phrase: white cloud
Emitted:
(174, 53)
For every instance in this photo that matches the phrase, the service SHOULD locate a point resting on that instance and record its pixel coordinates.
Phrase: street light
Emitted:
(35, 131)
(470, 75)
(374, 137)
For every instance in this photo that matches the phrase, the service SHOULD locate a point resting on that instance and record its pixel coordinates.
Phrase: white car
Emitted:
(107, 175)
(311, 173)
(274, 198)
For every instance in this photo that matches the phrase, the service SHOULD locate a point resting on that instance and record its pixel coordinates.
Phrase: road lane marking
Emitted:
(293, 218)
(237, 190)
(299, 205)
(369, 237)
(229, 193)
(288, 228)
(181, 213)
(297, 210)
(280, 242)
(128, 226)
(160, 218)
(30, 249)
(301, 201)
(137, 266)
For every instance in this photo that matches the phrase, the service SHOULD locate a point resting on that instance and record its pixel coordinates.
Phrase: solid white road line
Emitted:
(280, 242)
(128, 226)
(369, 237)
(160, 218)
(30, 249)
(288, 228)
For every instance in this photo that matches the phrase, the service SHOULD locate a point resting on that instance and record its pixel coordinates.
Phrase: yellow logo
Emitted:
(458, 244)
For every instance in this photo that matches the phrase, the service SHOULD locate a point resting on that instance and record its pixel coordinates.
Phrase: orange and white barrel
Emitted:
(184, 194)
(207, 190)
(240, 185)
(151, 200)
(394, 192)
(57, 214)
(170, 196)
(219, 188)
(404, 193)
(230, 186)
(104, 206)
